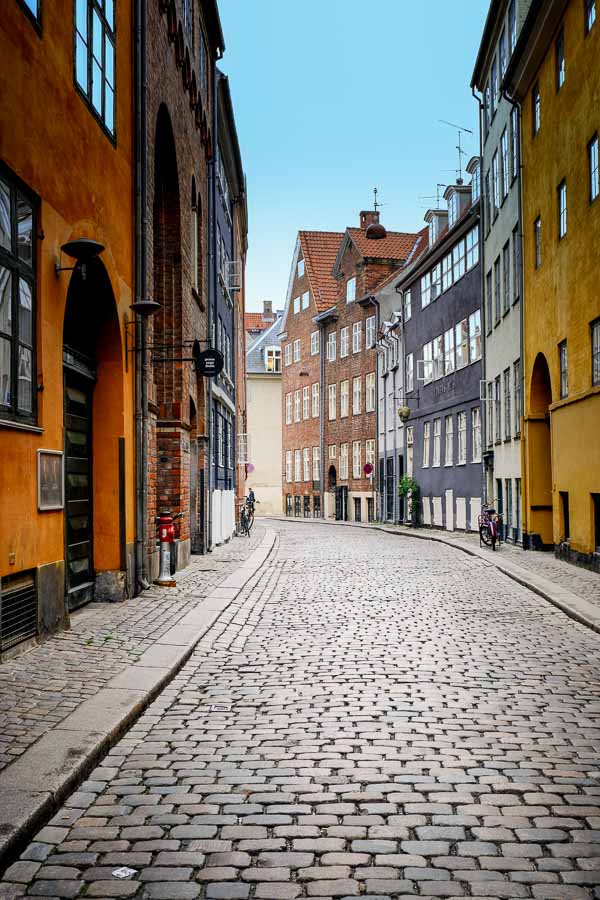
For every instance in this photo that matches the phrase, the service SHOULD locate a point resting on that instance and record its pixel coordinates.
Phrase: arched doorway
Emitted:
(95, 553)
(539, 456)
(332, 478)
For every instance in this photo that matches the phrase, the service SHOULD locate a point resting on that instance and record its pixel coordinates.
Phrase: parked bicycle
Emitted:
(490, 526)
(247, 514)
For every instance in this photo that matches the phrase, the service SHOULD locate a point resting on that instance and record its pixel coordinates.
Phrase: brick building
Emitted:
(329, 370)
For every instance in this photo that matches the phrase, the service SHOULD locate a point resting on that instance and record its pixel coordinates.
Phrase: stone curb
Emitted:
(571, 604)
(37, 783)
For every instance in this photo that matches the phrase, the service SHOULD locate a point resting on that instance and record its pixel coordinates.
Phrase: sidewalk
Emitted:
(574, 590)
(64, 702)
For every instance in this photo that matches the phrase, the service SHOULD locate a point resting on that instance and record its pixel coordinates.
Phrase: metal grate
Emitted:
(18, 610)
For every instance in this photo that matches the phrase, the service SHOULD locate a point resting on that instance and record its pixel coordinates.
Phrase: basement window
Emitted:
(18, 610)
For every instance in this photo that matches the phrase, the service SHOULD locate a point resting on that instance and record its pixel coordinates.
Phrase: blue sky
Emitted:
(333, 97)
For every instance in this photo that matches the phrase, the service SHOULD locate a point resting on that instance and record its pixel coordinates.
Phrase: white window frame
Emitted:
(297, 465)
(344, 341)
(447, 272)
(370, 332)
(426, 444)
(305, 300)
(475, 336)
(472, 246)
(273, 359)
(357, 395)
(297, 407)
(331, 346)
(407, 304)
(409, 373)
(288, 466)
(297, 350)
(305, 402)
(425, 290)
(370, 392)
(344, 462)
(315, 399)
(288, 408)
(306, 464)
(449, 354)
(332, 451)
(410, 444)
(357, 337)
(288, 354)
(300, 268)
(370, 452)
(331, 401)
(449, 440)
(296, 305)
(437, 443)
(351, 289)
(476, 434)
(344, 398)
(462, 437)
(314, 343)
(316, 463)
(356, 459)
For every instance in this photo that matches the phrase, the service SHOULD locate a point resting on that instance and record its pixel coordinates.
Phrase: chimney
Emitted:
(267, 309)
(368, 217)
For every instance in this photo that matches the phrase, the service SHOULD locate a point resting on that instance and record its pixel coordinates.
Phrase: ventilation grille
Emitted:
(18, 610)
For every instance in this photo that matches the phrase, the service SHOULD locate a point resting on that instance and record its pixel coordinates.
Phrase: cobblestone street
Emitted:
(374, 716)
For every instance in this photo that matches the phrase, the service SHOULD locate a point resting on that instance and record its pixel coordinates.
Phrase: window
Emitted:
(427, 363)
(344, 390)
(564, 370)
(288, 465)
(315, 400)
(497, 409)
(475, 336)
(344, 462)
(357, 395)
(297, 465)
(536, 109)
(409, 383)
(273, 360)
(332, 451)
(410, 439)
(560, 60)
(593, 167)
(437, 441)
(305, 402)
(370, 452)
(356, 454)
(449, 440)
(344, 339)
(351, 290)
(425, 290)
(316, 464)
(288, 409)
(494, 86)
(458, 261)
(297, 351)
(516, 255)
(305, 300)
(595, 329)
(590, 14)
(537, 241)
(296, 406)
(507, 406)
(426, 440)
(488, 199)
(449, 359)
(356, 337)
(296, 305)
(370, 332)
(505, 164)
(462, 437)
(562, 209)
(306, 464)
(512, 25)
(436, 281)
(188, 21)
(447, 272)
(453, 207)
(495, 185)
(314, 343)
(475, 184)
(33, 6)
(488, 413)
(332, 401)
(438, 356)
(407, 306)
(472, 244)
(17, 303)
(331, 346)
(506, 276)
(288, 354)
(488, 301)
(300, 268)
(476, 434)
(370, 392)
(514, 142)
(502, 53)
(497, 291)
(486, 108)
(95, 57)
(517, 387)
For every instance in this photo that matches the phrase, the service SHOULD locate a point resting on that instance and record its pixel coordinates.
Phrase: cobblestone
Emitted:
(394, 724)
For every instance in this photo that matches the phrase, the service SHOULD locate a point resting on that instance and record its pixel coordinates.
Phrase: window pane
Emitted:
(5, 383)
(33, 5)
(25, 379)
(5, 236)
(109, 61)
(109, 107)
(5, 301)
(81, 72)
(24, 230)
(25, 313)
(109, 13)
(96, 87)
(97, 37)
(81, 18)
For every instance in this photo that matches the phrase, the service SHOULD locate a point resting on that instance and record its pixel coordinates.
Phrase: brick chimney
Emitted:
(368, 217)
(267, 309)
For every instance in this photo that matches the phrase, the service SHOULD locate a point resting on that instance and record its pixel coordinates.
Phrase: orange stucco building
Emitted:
(66, 386)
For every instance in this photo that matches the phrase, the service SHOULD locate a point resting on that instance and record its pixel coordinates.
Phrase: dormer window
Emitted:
(351, 290)
(432, 230)
(453, 209)
(475, 185)
(273, 359)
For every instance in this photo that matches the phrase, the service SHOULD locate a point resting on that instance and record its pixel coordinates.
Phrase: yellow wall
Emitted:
(263, 394)
(562, 296)
(51, 140)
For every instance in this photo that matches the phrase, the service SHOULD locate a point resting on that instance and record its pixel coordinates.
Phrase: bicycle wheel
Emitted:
(244, 522)
(484, 535)
(250, 521)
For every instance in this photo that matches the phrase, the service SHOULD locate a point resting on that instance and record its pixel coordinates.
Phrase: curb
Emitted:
(571, 604)
(37, 783)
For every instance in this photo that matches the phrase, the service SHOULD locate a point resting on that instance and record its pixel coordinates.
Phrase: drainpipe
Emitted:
(482, 224)
(376, 461)
(141, 361)
(395, 395)
(322, 414)
(212, 295)
(384, 377)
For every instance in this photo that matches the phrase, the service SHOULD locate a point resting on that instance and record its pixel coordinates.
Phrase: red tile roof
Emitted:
(397, 244)
(320, 249)
(256, 322)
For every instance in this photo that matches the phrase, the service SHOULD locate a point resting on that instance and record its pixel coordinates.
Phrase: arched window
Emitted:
(195, 222)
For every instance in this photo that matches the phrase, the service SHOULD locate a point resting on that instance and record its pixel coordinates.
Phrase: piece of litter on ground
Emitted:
(220, 707)
(124, 872)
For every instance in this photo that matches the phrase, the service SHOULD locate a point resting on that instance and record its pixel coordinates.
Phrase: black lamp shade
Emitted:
(82, 249)
(145, 308)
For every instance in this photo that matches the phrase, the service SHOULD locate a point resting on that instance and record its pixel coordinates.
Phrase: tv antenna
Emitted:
(461, 152)
(435, 196)
(376, 204)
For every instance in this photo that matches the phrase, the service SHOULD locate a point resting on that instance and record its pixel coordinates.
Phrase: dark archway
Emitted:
(332, 478)
(94, 440)
(539, 456)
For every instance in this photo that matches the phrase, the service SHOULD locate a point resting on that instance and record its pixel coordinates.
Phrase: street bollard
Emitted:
(166, 537)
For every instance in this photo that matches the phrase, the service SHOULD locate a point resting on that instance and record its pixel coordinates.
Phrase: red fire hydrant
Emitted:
(166, 537)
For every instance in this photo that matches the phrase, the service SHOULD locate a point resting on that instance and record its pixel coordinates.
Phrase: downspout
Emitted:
(141, 327)
(403, 374)
(482, 225)
(395, 395)
(376, 462)
(212, 297)
(322, 416)
(384, 376)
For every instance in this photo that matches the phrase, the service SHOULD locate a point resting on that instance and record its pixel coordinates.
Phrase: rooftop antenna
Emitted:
(461, 152)
(376, 204)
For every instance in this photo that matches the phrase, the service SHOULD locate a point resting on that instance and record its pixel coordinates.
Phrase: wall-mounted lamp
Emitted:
(81, 249)
(145, 308)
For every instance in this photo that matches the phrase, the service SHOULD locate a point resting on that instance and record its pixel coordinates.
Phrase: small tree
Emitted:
(409, 488)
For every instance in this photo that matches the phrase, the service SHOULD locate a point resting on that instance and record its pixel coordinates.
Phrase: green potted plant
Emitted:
(409, 488)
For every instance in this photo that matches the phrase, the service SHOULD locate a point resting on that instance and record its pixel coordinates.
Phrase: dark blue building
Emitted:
(442, 347)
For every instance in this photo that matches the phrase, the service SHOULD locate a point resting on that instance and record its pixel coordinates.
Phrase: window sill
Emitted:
(20, 426)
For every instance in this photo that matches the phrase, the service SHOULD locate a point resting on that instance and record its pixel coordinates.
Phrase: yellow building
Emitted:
(554, 76)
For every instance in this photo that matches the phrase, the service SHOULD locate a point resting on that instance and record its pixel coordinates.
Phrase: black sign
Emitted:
(209, 363)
